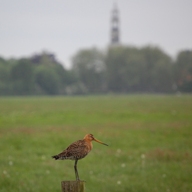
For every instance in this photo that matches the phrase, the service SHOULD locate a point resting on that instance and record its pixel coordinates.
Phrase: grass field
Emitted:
(149, 137)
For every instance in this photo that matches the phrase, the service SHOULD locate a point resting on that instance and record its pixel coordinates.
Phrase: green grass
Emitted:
(149, 137)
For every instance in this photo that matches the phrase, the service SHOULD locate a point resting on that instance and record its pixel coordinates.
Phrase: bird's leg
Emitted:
(76, 172)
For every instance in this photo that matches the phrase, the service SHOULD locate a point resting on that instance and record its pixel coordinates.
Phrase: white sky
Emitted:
(65, 26)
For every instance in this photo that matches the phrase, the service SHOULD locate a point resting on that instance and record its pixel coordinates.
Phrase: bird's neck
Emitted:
(89, 144)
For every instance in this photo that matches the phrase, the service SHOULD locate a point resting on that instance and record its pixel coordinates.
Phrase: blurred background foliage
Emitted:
(120, 69)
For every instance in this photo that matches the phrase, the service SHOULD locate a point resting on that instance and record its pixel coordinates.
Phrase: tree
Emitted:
(51, 76)
(158, 70)
(4, 77)
(47, 80)
(183, 71)
(130, 69)
(22, 77)
(89, 67)
(123, 65)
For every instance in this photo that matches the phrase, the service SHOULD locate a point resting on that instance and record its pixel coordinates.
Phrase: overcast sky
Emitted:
(65, 26)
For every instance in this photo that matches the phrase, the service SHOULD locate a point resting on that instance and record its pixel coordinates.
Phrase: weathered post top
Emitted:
(73, 186)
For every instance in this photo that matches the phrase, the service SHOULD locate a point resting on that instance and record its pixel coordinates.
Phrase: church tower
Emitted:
(115, 36)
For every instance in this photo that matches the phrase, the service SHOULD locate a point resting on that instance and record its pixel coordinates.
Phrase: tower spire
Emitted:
(115, 38)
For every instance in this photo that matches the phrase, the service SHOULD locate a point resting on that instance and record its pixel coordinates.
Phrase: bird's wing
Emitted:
(76, 150)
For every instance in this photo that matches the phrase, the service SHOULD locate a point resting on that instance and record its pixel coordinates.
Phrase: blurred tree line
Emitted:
(119, 69)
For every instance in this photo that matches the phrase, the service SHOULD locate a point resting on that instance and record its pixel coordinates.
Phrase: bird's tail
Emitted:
(55, 157)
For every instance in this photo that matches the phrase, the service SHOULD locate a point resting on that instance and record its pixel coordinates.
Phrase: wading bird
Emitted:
(77, 150)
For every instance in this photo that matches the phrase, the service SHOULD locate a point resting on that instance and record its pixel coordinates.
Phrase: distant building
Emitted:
(115, 32)
(44, 57)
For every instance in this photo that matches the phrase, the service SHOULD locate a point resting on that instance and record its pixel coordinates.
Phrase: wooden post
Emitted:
(73, 186)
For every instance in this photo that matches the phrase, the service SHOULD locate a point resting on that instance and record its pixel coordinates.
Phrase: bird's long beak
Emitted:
(100, 142)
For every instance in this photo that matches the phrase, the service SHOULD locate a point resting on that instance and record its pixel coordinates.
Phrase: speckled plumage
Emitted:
(76, 150)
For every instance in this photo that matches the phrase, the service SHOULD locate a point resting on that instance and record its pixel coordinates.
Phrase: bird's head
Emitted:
(89, 137)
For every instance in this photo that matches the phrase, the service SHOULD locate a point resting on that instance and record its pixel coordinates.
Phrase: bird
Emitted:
(77, 151)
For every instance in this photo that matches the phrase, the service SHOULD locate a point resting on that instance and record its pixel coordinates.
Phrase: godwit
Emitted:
(77, 150)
